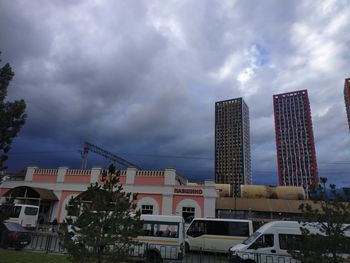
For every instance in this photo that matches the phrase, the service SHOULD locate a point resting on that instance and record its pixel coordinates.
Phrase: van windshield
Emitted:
(251, 238)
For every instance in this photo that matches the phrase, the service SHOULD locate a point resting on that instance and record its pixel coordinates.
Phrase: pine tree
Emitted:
(12, 116)
(101, 226)
(332, 221)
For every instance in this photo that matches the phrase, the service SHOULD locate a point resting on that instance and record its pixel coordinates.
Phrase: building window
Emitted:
(147, 209)
(188, 214)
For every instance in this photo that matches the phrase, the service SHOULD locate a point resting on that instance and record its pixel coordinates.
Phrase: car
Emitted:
(13, 235)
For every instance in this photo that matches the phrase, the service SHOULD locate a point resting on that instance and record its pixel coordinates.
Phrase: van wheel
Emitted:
(187, 247)
(153, 257)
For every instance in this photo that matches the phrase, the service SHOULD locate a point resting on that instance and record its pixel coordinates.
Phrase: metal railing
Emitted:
(205, 257)
(46, 242)
(51, 243)
(169, 253)
(166, 252)
(267, 258)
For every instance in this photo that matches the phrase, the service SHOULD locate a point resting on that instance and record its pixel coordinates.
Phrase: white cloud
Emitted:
(164, 19)
(246, 75)
(227, 70)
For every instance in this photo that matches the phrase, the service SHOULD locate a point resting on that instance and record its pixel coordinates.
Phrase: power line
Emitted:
(134, 154)
(38, 152)
(161, 156)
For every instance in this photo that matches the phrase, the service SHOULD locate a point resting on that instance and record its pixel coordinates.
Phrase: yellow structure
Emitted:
(224, 190)
(273, 192)
(264, 192)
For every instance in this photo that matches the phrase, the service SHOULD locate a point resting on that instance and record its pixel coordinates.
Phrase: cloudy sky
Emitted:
(140, 78)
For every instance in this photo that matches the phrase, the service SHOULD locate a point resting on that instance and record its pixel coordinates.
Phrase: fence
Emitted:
(267, 258)
(50, 243)
(47, 228)
(205, 257)
(155, 252)
(169, 253)
(46, 242)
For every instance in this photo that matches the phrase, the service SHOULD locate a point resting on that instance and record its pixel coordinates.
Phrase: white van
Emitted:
(162, 238)
(25, 215)
(270, 243)
(217, 235)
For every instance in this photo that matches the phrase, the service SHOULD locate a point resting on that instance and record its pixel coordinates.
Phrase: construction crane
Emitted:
(93, 148)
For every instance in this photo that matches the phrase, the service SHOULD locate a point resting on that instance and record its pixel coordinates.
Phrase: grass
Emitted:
(25, 256)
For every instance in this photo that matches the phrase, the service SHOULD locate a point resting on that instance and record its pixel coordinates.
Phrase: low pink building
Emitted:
(159, 192)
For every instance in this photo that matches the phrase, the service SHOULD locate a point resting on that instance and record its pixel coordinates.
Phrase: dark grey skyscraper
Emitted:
(232, 144)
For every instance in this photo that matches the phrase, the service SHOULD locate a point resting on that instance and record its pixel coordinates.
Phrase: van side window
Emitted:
(263, 241)
(227, 228)
(197, 229)
(147, 229)
(290, 242)
(240, 229)
(268, 240)
(160, 229)
(30, 211)
(217, 228)
(16, 210)
(166, 230)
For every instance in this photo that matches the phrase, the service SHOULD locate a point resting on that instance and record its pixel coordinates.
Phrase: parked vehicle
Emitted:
(217, 235)
(13, 235)
(162, 238)
(271, 242)
(25, 215)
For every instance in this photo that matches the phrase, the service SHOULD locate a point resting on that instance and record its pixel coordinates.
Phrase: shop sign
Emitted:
(188, 191)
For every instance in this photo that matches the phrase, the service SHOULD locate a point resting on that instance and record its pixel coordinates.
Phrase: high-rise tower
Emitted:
(296, 155)
(347, 98)
(232, 144)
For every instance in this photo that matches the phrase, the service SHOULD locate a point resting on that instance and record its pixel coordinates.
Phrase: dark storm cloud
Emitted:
(143, 77)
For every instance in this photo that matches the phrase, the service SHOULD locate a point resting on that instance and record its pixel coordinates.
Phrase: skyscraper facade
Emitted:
(296, 155)
(347, 98)
(232, 144)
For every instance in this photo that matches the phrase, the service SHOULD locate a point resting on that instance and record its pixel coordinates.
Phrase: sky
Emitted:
(140, 79)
